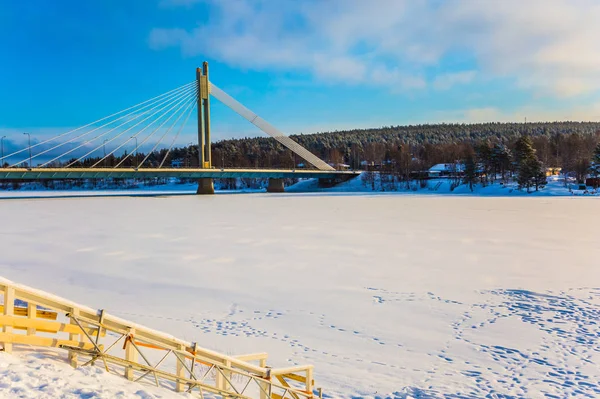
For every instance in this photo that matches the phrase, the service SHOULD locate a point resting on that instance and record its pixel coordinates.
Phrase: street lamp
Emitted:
(136, 151)
(2, 146)
(104, 148)
(30, 165)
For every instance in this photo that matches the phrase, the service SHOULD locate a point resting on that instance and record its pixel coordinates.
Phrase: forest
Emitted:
(519, 150)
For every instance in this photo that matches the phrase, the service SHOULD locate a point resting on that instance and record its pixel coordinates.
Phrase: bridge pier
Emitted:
(275, 186)
(205, 186)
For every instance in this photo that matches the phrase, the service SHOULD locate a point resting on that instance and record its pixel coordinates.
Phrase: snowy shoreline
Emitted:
(357, 186)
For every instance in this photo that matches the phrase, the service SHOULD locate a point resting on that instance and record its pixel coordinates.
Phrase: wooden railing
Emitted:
(38, 319)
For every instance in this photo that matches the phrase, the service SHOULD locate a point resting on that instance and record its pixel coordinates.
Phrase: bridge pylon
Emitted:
(205, 185)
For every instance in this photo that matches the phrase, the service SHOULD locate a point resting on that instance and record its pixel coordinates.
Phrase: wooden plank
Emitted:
(292, 394)
(38, 299)
(290, 370)
(40, 314)
(295, 377)
(31, 313)
(44, 326)
(42, 341)
(9, 310)
(252, 356)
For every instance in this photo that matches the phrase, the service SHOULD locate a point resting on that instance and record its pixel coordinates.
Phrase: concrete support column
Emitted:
(275, 186)
(205, 186)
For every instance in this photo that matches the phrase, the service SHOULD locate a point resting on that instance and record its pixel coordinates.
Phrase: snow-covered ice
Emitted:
(387, 295)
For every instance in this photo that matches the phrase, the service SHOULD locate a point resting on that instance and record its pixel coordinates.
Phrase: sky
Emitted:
(303, 65)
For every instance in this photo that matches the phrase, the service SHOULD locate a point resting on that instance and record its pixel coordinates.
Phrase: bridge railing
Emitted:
(38, 319)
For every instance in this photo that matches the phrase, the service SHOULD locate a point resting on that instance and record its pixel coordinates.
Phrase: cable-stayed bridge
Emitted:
(156, 123)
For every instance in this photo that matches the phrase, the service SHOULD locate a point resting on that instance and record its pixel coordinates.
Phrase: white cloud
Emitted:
(548, 46)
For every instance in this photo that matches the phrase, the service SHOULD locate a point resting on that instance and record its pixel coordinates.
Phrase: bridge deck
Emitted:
(130, 173)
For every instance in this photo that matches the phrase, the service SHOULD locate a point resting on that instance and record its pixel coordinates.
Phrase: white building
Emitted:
(446, 169)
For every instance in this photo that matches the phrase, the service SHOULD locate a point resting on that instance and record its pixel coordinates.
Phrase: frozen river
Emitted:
(388, 296)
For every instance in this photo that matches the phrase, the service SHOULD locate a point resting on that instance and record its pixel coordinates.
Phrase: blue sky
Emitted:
(305, 66)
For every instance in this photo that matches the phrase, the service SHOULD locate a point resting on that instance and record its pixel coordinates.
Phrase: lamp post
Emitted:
(136, 151)
(29, 135)
(104, 148)
(2, 146)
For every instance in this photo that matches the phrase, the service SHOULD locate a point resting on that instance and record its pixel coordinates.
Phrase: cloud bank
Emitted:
(550, 47)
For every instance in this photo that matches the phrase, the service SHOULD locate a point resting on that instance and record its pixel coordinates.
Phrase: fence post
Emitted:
(131, 354)
(309, 379)
(228, 374)
(73, 337)
(180, 370)
(263, 385)
(31, 314)
(9, 310)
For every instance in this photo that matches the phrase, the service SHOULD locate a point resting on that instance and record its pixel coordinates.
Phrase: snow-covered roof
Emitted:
(447, 167)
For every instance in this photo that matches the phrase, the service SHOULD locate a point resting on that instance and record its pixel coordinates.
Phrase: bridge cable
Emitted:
(191, 104)
(193, 96)
(177, 135)
(268, 128)
(92, 123)
(136, 134)
(93, 130)
(137, 116)
(126, 130)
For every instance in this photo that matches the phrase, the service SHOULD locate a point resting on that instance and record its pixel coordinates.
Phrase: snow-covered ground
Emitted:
(443, 186)
(47, 375)
(400, 296)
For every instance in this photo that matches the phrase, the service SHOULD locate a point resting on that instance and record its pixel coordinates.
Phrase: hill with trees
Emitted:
(489, 150)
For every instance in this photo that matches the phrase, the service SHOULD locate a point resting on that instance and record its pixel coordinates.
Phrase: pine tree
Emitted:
(501, 157)
(538, 173)
(529, 167)
(597, 155)
(485, 158)
(470, 171)
(595, 168)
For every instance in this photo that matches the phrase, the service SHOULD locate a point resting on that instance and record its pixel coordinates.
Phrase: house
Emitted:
(177, 163)
(592, 182)
(446, 170)
(553, 171)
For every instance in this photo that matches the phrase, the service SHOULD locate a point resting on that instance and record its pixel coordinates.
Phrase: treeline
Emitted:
(557, 144)
(486, 151)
